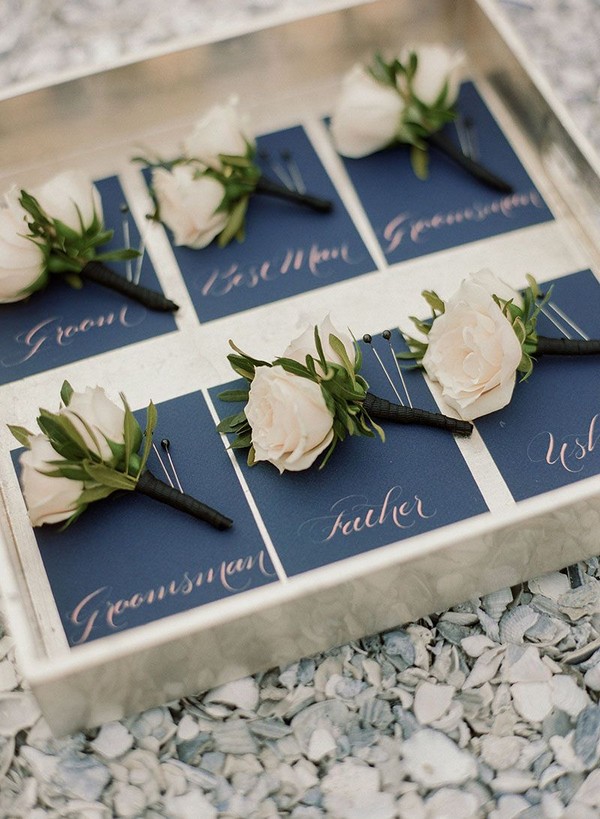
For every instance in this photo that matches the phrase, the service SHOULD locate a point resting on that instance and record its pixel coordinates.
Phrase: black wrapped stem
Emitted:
(567, 346)
(446, 146)
(154, 488)
(383, 410)
(98, 272)
(271, 188)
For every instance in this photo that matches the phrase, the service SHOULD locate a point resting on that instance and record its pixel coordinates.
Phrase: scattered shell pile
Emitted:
(489, 709)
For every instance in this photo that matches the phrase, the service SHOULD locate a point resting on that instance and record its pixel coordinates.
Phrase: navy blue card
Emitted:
(59, 324)
(412, 217)
(288, 248)
(549, 434)
(129, 560)
(370, 493)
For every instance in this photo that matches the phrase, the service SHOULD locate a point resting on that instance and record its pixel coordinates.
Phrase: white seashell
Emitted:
(589, 792)
(7, 751)
(524, 665)
(8, 676)
(501, 753)
(18, 710)
(129, 801)
(452, 802)
(592, 677)
(567, 695)
(321, 744)
(531, 700)
(476, 644)
(372, 671)
(552, 774)
(564, 754)
(350, 776)
(432, 759)
(112, 741)
(376, 712)
(583, 653)
(485, 667)
(331, 714)
(451, 719)
(550, 585)
(515, 623)
(242, 694)
(432, 701)
(513, 781)
(187, 729)
(190, 805)
(489, 625)
(586, 740)
(552, 807)
(495, 603)
(577, 603)
(411, 806)
(509, 806)
(359, 805)
(233, 737)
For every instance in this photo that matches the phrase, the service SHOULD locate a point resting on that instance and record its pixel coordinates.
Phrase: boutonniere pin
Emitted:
(203, 194)
(481, 337)
(301, 405)
(406, 100)
(56, 230)
(86, 451)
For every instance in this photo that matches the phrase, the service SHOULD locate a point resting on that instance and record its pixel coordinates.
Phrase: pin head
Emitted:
(386, 334)
(165, 443)
(367, 338)
(124, 207)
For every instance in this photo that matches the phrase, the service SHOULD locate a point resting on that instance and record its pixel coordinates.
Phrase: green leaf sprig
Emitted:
(76, 461)
(343, 388)
(66, 250)
(419, 120)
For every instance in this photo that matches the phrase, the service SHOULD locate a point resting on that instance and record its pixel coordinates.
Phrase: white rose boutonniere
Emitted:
(22, 261)
(204, 193)
(87, 450)
(480, 338)
(304, 403)
(64, 221)
(406, 100)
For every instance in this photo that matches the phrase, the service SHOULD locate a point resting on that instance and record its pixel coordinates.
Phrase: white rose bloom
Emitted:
(188, 205)
(436, 65)
(49, 499)
(304, 345)
(473, 352)
(367, 114)
(496, 286)
(103, 419)
(22, 262)
(290, 422)
(71, 198)
(220, 131)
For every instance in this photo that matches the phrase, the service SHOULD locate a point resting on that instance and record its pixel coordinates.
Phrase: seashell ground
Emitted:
(489, 709)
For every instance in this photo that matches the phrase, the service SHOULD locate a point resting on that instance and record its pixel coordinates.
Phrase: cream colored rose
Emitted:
(22, 262)
(96, 418)
(70, 198)
(188, 205)
(367, 115)
(496, 287)
(473, 352)
(49, 499)
(437, 66)
(222, 130)
(291, 425)
(304, 345)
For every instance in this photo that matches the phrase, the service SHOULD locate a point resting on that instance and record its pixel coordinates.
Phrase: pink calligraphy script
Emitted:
(404, 226)
(354, 514)
(568, 453)
(53, 331)
(98, 605)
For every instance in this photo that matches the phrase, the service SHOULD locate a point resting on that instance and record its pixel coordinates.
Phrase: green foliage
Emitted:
(77, 461)
(66, 250)
(342, 387)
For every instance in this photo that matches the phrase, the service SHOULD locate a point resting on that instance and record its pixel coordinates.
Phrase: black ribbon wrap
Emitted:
(481, 173)
(383, 410)
(154, 488)
(98, 272)
(567, 346)
(270, 188)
